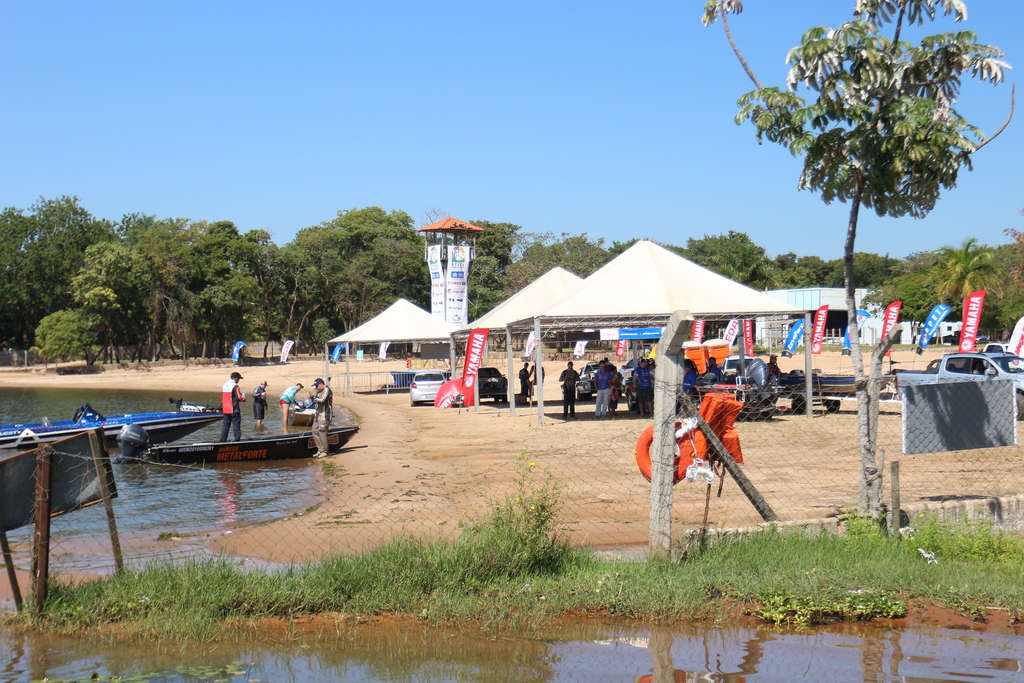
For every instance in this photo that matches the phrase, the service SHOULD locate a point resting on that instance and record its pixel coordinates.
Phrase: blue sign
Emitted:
(237, 350)
(796, 332)
(931, 324)
(641, 332)
(336, 353)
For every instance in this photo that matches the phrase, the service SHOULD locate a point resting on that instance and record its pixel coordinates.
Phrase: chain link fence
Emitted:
(425, 472)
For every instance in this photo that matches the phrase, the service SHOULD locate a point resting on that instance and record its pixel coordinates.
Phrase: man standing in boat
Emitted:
(323, 402)
(231, 398)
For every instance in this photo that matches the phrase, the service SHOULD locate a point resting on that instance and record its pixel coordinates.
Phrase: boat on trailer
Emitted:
(135, 446)
(166, 426)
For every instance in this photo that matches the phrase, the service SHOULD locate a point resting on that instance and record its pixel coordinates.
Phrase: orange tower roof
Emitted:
(451, 225)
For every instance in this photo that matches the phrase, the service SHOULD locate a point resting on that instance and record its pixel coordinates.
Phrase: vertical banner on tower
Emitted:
(972, 319)
(847, 346)
(437, 283)
(620, 348)
(697, 331)
(731, 331)
(475, 345)
(796, 333)
(891, 317)
(818, 331)
(931, 326)
(1017, 338)
(748, 337)
(286, 349)
(457, 285)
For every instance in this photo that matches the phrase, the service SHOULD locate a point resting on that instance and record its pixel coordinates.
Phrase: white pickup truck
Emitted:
(969, 367)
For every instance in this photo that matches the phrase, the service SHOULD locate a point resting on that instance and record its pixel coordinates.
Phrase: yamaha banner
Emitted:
(237, 351)
(531, 343)
(697, 331)
(382, 352)
(580, 349)
(972, 320)
(891, 317)
(796, 333)
(457, 285)
(437, 283)
(336, 353)
(931, 326)
(475, 345)
(620, 348)
(818, 331)
(847, 346)
(748, 337)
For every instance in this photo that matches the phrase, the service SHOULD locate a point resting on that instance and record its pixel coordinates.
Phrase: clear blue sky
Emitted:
(609, 118)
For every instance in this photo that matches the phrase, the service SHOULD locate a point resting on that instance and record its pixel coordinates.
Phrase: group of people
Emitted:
(607, 383)
(527, 380)
(232, 397)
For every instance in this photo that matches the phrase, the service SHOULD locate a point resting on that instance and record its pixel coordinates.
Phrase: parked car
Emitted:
(493, 384)
(969, 367)
(424, 386)
(586, 387)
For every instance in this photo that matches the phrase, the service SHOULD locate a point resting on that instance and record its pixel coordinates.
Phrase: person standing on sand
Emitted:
(568, 380)
(287, 399)
(603, 383)
(259, 403)
(231, 398)
(525, 388)
(323, 401)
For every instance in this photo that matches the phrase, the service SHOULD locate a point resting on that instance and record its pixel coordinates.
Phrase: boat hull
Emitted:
(284, 447)
(161, 427)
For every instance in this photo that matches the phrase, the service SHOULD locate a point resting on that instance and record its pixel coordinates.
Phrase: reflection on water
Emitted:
(576, 653)
(153, 499)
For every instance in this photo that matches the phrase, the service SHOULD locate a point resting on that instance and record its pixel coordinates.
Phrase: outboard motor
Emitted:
(133, 442)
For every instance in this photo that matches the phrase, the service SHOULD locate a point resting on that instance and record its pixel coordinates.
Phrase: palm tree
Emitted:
(964, 270)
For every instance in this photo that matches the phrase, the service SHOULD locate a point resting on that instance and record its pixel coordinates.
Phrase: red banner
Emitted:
(748, 337)
(972, 319)
(697, 331)
(447, 393)
(891, 317)
(818, 333)
(475, 346)
(620, 348)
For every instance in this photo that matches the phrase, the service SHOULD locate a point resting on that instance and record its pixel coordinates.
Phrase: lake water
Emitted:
(192, 501)
(584, 652)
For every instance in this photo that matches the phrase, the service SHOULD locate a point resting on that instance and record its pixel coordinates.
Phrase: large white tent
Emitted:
(535, 297)
(400, 322)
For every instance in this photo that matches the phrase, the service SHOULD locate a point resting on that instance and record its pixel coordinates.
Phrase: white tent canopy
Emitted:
(546, 290)
(645, 284)
(400, 322)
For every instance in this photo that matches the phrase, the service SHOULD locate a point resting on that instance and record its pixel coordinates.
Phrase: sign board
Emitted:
(613, 334)
(74, 481)
(957, 416)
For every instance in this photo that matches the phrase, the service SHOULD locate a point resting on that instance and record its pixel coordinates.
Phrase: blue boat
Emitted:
(162, 427)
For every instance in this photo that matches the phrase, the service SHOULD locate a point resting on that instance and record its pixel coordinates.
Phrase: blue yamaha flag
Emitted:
(237, 350)
(861, 317)
(336, 353)
(796, 333)
(931, 324)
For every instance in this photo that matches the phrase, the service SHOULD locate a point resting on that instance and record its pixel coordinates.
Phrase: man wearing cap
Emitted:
(568, 380)
(259, 402)
(323, 402)
(231, 397)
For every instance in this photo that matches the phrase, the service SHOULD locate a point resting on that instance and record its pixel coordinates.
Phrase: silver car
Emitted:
(425, 385)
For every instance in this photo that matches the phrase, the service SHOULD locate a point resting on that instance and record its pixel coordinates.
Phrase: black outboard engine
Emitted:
(133, 442)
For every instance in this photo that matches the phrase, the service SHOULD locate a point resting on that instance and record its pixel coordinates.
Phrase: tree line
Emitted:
(74, 285)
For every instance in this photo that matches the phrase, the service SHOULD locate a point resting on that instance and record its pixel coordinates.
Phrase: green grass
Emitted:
(511, 570)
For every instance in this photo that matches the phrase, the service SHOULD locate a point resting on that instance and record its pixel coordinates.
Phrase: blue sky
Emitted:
(609, 118)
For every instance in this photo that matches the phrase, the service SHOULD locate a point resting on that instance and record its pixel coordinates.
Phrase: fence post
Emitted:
(664, 448)
(511, 370)
(537, 364)
(894, 489)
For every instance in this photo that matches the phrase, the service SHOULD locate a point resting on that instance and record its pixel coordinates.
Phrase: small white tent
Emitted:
(400, 322)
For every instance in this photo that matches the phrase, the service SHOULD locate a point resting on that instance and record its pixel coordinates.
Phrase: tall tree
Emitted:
(882, 132)
(965, 269)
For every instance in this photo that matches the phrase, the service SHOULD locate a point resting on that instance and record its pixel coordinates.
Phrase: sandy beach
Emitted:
(422, 469)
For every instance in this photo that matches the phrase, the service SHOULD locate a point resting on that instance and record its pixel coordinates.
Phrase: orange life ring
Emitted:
(642, 456)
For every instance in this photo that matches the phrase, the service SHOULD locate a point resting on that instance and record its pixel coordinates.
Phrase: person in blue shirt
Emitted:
(715, 370)
(287, 399)
(689, 377)
(603, 381)
(643, 383)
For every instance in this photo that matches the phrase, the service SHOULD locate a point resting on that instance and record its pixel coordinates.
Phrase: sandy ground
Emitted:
(439, 461)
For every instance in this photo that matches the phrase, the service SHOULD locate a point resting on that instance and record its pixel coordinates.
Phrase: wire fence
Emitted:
(432, 470)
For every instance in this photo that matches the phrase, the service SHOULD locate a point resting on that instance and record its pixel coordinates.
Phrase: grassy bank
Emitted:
(511, 570)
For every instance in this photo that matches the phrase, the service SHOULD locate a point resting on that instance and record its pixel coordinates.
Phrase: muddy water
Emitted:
(577, 653)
